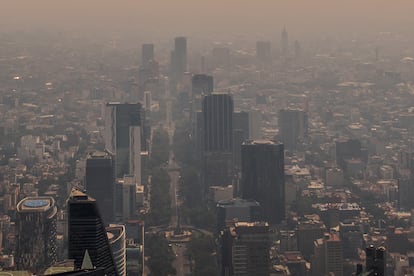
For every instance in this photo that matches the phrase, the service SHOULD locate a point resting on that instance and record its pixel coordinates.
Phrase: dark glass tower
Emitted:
(120, 122)
(86, 231)
(218, 122)
(36, 234)
(99, 180)
(293, 127)
(263, 177)
(147, 54)
(202, 84)
(180, 52)
(217, 132)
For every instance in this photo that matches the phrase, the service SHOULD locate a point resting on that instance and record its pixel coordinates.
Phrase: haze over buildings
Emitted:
(207, 138)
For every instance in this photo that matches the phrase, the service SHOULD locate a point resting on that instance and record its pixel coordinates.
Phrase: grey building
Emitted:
(202, 84)
(245, 249)
(36, 234)
(125, 136)
(100, 183)
(230, 211)
(116, 237)
(293, 127)
(147, 53)
(263, 177)
(179, 58)
(217, 119)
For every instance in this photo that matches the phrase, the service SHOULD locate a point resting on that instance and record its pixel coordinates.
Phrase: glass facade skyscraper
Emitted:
(36, 233)
(87, 232)
(263, 177)
(99, 180)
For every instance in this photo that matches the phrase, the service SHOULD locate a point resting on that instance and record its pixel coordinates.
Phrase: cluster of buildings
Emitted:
(305, 153)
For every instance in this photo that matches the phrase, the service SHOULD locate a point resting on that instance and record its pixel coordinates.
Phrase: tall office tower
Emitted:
(255, 124)
(218, 122)
(134, 260)
(376, 261)
(36, 234)
(245, 249)
(87, 232)
(263, 51)
(284, 43)
(127, 188)
(218, 139)
(202, 84)
(293, 127)
(116, 237)
(263, 177)
(351, 235)
(179, 58)
(124, 132)
(147, 54)
(327, 258)
(333, 257)
(100, 182)
(240, 134)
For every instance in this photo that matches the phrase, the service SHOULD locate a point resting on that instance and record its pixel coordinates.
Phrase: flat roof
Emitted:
(35, 204)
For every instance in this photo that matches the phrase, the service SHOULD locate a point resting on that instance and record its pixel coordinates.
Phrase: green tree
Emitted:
(160, 255)
(202, 249)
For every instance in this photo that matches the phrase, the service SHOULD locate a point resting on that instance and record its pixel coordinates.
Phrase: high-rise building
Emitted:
(263, 177)
(352, 238)
(179, 58)
(125, 136)
(135, 259)
(293, 127)
(263, 51)
(255, 124)
(116, 237)
(127, 197)
(147, 54)
(87, 232)
(36, 234)
(100, 183)
(245, 249)
(217, 119)
(333, 257)
(285, 43)
(327, 258)
(376, 261)
(202, 84)
(218, 122)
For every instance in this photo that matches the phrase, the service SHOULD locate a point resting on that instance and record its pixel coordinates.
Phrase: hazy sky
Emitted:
(256, 16)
